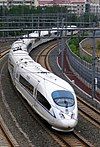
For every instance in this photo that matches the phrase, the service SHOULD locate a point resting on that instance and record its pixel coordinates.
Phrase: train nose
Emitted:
(66, 125)
(69, 123)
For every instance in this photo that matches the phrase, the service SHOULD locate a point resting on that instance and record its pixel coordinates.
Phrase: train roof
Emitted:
(19, 45)
(34, 73)
(46, 80)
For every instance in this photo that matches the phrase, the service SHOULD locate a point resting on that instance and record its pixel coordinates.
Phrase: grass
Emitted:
(74, 46)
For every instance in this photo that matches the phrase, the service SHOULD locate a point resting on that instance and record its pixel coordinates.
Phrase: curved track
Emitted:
(86, 110)
(71, 75)
(6, 138)
(42, 56)
(89, 112)
(71, 138)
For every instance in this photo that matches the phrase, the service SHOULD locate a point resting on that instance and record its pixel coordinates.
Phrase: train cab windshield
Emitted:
(63, 98)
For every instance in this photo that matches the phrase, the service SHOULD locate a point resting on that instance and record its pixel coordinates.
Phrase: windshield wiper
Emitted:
(66, 103)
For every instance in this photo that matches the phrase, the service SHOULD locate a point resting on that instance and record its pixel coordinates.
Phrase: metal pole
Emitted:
(32, 21)
(58, 41)
(93, 66)
(62, 46)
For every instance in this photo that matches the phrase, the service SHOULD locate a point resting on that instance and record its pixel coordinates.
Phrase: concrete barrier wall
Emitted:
(84, 52)
(82, 68)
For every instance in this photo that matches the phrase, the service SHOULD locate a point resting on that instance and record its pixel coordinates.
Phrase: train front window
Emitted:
(63, 98)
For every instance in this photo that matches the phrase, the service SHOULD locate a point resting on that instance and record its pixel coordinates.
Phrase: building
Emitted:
(75, 6)
(18, 2)
(95, 8)
(59, 2)
(95, 1)
(45, 2)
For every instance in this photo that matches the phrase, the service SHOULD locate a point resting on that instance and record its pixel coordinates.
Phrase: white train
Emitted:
(70, 30)
(50, 96)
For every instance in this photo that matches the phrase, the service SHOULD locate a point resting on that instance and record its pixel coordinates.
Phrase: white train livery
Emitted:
(50, 96)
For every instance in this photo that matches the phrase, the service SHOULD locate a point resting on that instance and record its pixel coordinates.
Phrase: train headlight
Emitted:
(72, 115)
(62, 116)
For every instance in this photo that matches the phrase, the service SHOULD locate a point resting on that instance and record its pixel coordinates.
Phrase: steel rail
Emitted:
(72, 139)
(89, 112)
(3, 53)
(7, 138)
(64, 139)
(5, 134)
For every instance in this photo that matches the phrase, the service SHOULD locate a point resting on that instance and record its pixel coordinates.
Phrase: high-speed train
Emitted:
(50, 96)
(67, 31)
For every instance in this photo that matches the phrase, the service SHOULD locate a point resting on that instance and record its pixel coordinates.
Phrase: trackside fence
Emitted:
(83, 70)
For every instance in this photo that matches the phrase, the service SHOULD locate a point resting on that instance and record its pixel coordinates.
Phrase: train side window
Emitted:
(46, 35)
(35, 92)
(43, 100)
(26, 84)
(56, 33)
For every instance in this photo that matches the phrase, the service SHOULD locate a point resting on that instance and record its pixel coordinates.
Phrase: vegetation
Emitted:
(26, 10)
(89, 47)
(98, 45)
(22, 10)
(87, 59)
(74, 46)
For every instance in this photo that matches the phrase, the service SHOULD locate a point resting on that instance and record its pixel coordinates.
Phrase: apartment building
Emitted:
(75, 6)
(95, 2)
(18, 2)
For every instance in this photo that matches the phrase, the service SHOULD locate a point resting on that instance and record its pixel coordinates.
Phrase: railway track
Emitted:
(77, 80)
(86, 110)
(2, 53)
(42, 57)
(73, 139)
(6, 138)
(3, 139)
(70, 139)
(5, 47)
(89, 112)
